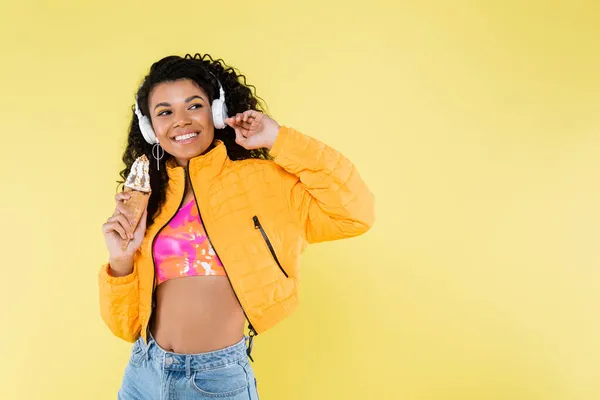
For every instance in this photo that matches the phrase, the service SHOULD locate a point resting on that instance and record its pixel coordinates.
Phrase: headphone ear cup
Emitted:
(147, 131)
(219, 112)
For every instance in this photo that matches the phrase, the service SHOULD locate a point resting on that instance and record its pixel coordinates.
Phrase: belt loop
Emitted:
(147, 343)
(188, 369)
(140, 342)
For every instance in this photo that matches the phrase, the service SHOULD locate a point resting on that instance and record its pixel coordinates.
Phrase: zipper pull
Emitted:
(249, 349)
(251, 335)
(252, 330)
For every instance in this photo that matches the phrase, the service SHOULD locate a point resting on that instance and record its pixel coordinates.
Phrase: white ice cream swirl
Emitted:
(139, 178)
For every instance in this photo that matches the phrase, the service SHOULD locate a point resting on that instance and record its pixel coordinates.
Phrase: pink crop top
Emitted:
(182, 248)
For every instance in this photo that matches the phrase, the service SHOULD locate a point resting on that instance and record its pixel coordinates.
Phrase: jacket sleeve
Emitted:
(119, 303)
(326, 193)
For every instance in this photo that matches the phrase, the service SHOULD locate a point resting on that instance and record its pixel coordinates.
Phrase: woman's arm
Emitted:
(118, 280)
(119, 303)
(327, 196)
(326, 193)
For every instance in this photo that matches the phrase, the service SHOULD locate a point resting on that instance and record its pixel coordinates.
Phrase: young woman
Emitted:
(235, 199)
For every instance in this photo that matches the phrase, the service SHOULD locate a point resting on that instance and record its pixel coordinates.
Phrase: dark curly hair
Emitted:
(202, 69)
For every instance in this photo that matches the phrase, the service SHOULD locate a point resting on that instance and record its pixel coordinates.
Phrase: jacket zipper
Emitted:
(253, 332)
(154, 263)
(257, 225)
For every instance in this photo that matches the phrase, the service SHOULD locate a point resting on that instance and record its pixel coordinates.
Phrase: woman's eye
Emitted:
(195, 106)
(162, 113)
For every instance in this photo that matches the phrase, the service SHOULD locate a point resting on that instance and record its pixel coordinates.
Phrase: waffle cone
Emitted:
(136, 205)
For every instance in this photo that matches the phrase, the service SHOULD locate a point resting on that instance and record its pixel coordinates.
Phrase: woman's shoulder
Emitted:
(254, 164)
(265, 169)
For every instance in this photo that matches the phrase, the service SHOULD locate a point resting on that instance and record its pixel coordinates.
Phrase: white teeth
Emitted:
(186, 137)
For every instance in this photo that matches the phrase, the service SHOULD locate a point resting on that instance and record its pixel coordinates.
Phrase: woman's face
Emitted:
(182, 119)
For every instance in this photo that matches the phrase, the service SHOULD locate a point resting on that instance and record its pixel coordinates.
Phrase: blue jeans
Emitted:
(153, 373)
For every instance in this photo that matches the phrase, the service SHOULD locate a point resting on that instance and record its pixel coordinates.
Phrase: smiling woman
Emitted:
(235, 198)
(202, 75)
(182, 119)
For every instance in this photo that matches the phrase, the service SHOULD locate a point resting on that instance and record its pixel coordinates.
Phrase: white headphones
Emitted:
(219, 114)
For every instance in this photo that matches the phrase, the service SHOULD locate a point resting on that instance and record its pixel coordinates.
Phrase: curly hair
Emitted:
(202, 69)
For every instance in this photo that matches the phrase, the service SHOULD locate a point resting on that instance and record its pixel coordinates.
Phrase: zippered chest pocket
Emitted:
(258, 226)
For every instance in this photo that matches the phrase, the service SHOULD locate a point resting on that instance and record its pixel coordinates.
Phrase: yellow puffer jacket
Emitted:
(259, 216)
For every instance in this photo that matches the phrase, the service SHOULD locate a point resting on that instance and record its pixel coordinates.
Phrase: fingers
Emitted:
(114, 226)
(240, 131)
(125, 224)
(236, 122)
(121, 209)
(250, 114)
(142, 225)
(245, 124)
(120, 199)
(254, 123)
(122, 196)
(119, 224)
(239, 138)
(244, 117)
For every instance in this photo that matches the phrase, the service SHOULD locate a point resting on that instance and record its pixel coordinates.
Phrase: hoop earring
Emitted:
(158, 153)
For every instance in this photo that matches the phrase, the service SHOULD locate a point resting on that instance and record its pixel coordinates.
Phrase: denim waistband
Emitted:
(193, 362)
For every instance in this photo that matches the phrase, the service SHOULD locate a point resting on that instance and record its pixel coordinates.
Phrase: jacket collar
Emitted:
(204, 167)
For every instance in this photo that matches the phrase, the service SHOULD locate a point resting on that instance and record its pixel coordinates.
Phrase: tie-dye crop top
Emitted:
(182, 248)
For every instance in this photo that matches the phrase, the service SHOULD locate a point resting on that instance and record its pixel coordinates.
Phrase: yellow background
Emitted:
(475, 123)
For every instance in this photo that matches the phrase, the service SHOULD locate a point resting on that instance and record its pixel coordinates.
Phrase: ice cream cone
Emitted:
(138, 186)
(136, 205)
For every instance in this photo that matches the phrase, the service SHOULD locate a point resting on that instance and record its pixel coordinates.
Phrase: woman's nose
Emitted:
(182, 120)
